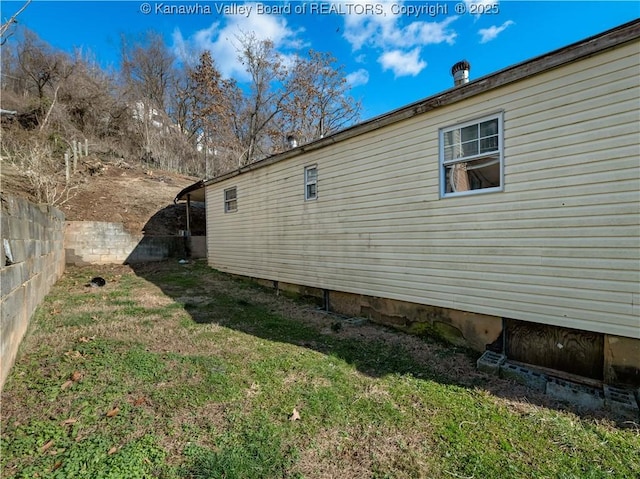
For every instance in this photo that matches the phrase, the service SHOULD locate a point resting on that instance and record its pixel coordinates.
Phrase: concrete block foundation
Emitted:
(490, 362)
(522, 375)
(619, 358)
(585, 397)
(622, 402)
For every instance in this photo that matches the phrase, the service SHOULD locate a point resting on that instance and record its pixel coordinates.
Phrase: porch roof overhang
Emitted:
(194, 192)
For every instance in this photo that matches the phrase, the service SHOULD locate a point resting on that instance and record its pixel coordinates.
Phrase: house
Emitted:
(502, 213)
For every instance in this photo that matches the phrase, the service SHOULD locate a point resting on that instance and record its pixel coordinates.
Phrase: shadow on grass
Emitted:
(234, 308)
(386, 352)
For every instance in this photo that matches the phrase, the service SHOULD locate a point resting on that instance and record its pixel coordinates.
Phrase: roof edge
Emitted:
(585, 48)
(188, 190)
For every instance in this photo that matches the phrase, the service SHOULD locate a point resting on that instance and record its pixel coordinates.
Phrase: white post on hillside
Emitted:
(66, 165)
(75, 156)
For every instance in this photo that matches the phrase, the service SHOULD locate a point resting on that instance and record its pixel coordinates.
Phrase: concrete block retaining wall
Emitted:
(32, 260)
(99, 242)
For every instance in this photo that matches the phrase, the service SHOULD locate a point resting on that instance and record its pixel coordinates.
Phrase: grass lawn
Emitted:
(178, 371)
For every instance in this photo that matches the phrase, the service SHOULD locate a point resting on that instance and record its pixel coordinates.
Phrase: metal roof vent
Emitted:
(292, 141)
(460, 72)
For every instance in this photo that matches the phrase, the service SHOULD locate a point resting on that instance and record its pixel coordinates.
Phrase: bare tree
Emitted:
(41, 71)
(182, 102)
(208, 96)
(73, 98)
(34, 159)
(147, 68)
(318, 102)
(309, 100)
(240, 126)
(12, 81)
(64, 71)
(39, 64)
(267, 94)
(6, 27)
(214, 104)
(89, 96)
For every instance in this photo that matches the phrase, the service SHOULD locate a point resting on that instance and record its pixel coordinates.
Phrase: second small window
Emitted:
(230, 200)
(311, 182)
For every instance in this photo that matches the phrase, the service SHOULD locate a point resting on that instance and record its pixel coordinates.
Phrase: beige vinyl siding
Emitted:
(559, 246)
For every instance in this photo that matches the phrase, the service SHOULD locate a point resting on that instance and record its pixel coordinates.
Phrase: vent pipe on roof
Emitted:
(460, 72)
(292, 141)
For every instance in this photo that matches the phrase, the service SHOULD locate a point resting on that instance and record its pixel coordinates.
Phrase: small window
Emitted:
(230, 200)
(311, 182)
(471, 158)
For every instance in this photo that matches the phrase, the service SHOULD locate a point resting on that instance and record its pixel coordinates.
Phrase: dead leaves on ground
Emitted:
(46, 447)
(66, 385)
(139, 401)
(113, 412)
(73, 354)
(295, 416)
(74, 378)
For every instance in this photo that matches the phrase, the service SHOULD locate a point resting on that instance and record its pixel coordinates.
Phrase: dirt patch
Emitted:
(357, 452)
(209, 417)
(141, 199)
(131, 196)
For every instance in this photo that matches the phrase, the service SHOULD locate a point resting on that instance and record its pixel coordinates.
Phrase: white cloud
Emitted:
(362, 58)
(426, 33)
(397, 38)
(402, 63)
(385, 30)
(491, 33)
(358, 77)
(361, 29)
(221, 38)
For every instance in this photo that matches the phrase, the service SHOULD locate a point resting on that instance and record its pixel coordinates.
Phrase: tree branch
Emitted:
(9, 23)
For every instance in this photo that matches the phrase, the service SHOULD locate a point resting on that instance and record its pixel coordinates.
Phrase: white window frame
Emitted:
(499, 152)
(231, 204)
(307, 183)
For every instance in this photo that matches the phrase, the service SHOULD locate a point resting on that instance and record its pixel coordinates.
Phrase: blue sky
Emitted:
(393, 52)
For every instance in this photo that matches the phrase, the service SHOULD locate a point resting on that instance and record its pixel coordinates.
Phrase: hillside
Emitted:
(141, 199)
